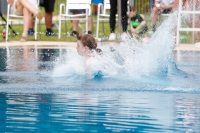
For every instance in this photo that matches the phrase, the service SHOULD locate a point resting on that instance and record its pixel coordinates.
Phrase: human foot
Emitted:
(23, 39)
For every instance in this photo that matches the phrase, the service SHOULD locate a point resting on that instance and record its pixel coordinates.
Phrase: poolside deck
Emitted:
(72, 45)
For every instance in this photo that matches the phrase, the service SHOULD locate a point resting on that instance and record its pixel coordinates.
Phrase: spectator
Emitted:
(76, 22)
(163, 6)
(25, 8)
(49, 9)
(112, 20)
(137, 23)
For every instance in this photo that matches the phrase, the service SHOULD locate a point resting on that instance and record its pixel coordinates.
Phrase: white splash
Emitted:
(130, 59)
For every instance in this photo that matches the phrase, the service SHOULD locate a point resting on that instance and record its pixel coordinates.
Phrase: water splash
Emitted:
(132, 58)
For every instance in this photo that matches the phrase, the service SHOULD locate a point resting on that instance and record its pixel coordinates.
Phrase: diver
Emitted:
(87, 47)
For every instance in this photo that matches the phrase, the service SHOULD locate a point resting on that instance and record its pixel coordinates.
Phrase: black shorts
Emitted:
(48, 5)
(167, 11)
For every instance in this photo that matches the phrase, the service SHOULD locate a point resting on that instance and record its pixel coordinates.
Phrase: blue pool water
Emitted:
(33, 101)
(97, 111)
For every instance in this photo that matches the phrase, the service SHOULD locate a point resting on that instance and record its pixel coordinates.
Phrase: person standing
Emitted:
(49, 9)
(112, 19)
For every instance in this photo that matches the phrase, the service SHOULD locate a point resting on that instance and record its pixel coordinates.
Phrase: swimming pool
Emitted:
(144, 88)
(33, 101)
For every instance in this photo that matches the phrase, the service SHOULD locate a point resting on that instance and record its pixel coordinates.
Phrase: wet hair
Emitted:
(132, 8)
(89, 41)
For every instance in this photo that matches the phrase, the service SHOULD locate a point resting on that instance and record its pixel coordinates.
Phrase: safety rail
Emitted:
(193, 12)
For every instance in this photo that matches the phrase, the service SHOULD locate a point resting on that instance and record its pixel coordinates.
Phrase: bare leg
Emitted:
(27, 20)
(75, 25)
(176, 3)
(27, 5)
(48, 19)
(154, 15)
(31, 26)
(19, 6)
(90, 23)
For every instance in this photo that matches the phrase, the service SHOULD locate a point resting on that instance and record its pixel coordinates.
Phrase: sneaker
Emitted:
(31, 32)
(154, 28)
(50, 33)
(74, 33)
(197, 40)
(90, 32)
(112, 36)
(124, 37)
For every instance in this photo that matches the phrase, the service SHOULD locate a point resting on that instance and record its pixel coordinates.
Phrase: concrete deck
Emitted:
(72, 45)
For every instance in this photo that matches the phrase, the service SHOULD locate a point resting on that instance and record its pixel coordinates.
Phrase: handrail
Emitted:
(193, 12)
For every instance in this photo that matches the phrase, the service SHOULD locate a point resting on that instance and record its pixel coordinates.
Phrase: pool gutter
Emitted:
(72, 45)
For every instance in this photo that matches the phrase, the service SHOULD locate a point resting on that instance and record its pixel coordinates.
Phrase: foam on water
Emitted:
(74, 65)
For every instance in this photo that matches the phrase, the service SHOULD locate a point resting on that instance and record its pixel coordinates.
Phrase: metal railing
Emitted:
(192, 13)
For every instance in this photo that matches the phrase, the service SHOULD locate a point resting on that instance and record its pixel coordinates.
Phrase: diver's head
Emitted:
(86, 43)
